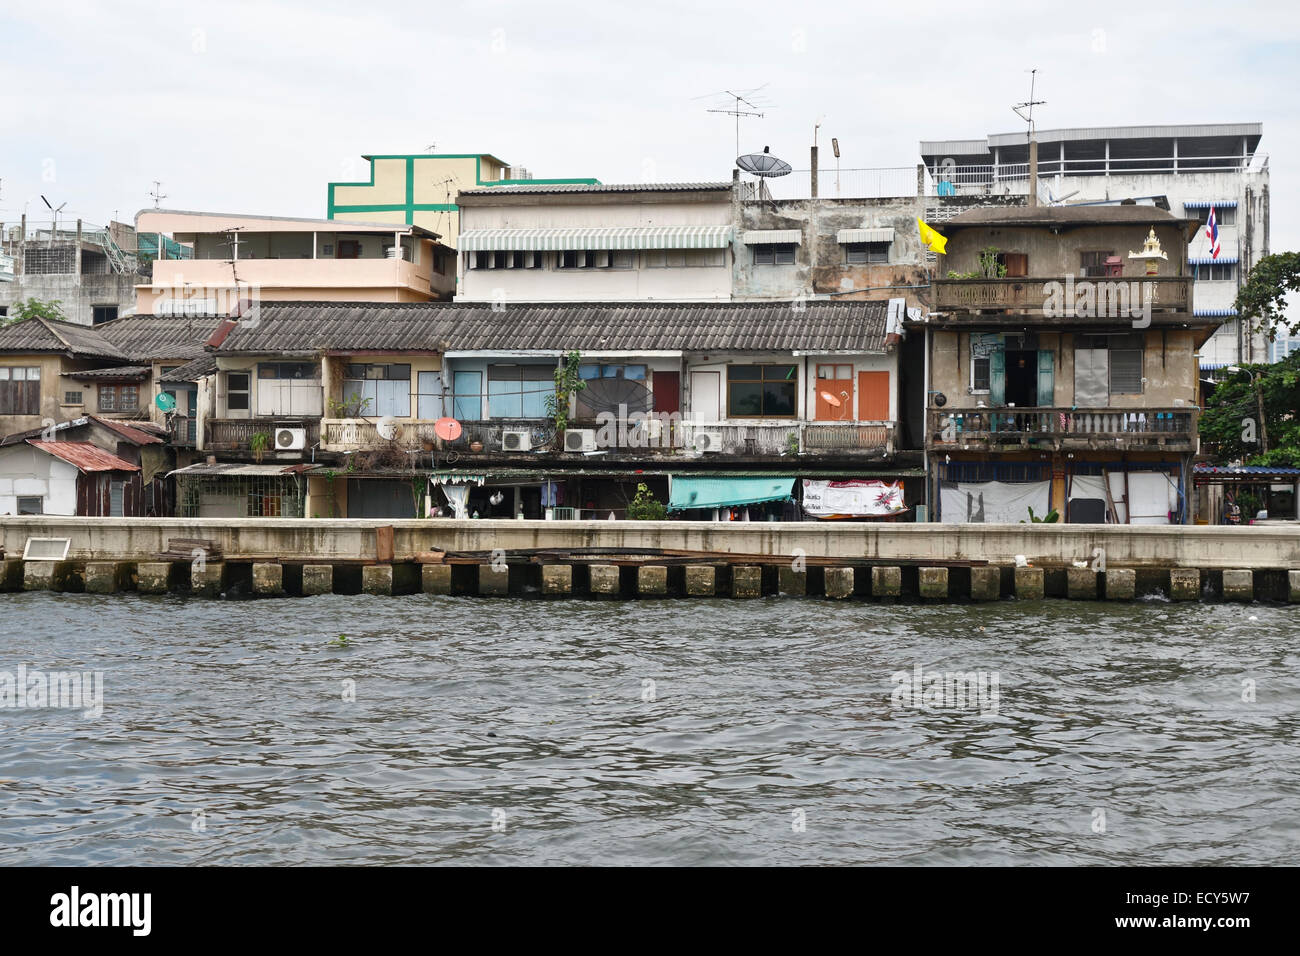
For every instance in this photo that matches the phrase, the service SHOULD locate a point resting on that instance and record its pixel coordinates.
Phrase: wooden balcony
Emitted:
(1033, 297)
(1069, 429)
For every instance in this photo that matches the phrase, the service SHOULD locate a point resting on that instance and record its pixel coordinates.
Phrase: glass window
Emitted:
(383, 390)
(119, 398)
(519, 391)
(467, 396)
(237, 391)
(762, 391)
(979, 375)
(31, 505)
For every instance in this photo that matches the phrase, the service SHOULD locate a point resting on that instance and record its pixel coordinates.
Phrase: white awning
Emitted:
(594, 238)
(764, 237)
(864, 235)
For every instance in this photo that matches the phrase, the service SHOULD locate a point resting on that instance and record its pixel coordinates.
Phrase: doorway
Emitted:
(1022, 378)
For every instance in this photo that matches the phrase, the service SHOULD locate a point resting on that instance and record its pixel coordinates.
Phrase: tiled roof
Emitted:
(774, 326)
(116, 372)
(46, 335)
(154, 337)
(83, 455)
(191, 371)
(544, 188)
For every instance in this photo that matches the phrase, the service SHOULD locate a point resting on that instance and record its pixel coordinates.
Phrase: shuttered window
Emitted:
(20, 390)
(1125, 371)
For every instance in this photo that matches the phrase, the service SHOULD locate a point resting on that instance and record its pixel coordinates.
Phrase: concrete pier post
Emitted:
(604, 580)
(109, 577)
(1029, 584)
(839, 583)
(985, 583)
(153, 577)
(701, 580)
(1081, 584)
(886, 582)
(652, 580)
(1293, 586)
(377, 579)
(11, 574)
(317, 579)
(557, 579)
(268, 578)
(933, 584)
(493, 580)
(792, 582)
(1184, 584)
(46, 575)
(746, 581)
(207, 578)
(1239, 585)
(436, 578)
(1121, 584)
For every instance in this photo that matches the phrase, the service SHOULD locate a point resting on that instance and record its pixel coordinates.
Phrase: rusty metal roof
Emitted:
(141, 433)
(83, 455)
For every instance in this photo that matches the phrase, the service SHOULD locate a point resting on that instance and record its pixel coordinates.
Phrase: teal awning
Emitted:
(689, 492)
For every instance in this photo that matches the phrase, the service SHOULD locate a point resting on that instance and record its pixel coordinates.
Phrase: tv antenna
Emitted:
(157, 194)
(741, 98)
(55, 232)
(1025, 110)
(431, 147)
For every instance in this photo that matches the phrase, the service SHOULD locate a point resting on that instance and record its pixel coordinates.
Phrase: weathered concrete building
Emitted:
(89, 270)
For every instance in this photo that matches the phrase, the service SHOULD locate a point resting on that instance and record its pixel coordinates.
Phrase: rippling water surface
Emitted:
(530, 715)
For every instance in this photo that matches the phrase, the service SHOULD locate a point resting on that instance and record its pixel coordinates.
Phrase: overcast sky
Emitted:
(253, 107)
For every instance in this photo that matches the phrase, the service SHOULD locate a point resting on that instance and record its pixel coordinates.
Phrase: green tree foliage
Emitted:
(36, 309)
(644, 507)
(1262, 300)
(1229, 426)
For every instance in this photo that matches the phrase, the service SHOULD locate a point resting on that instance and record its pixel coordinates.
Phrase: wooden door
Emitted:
(834, 386)
(873, 396)
(667, 388)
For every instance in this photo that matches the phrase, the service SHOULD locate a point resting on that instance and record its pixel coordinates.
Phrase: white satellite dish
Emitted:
(387, 427)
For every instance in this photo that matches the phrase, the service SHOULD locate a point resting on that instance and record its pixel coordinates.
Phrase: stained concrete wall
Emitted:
(76, 294)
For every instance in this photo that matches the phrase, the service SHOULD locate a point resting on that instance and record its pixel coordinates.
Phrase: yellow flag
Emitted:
(934, 241)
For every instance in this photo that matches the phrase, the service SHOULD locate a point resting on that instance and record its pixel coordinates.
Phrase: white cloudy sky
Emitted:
(255, 106)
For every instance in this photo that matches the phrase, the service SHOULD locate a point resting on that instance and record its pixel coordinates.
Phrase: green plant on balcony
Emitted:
(568, 383)
(258, 443)
(644, 507)
(962, 275)
(792, 443)
(990, 268)
(352, 406)
(1052, 517)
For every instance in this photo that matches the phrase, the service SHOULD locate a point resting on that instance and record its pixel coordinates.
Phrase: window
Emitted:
(862, 253)
(588, 372)
(237, 391)
(1015, 263)
(499, 259)
(1125, 371)
(979, 374)
(1223, 215)
(762, 391)
(774, 254)
(31, 505)
(1094, 263)
(102, 313)
(519, 391)
(835, 373)
(577, 259)
(20, 390)
(467, 396)
(377, 390)
(439, 263)
(288, 388)
(4, 311)
(480, 260)
(119, 398)
(72, 398)
(1217, 271)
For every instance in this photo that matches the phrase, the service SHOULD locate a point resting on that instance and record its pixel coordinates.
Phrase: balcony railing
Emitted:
(1064, 428)
(183, 431)
(236, 434)
(1034, 295)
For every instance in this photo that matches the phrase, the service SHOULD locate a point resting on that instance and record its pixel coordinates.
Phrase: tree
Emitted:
(1230, 427)
(1262, 300)
(644, 507)
(36, 309)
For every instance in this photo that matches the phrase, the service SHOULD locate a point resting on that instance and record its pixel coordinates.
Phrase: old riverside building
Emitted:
(1062, 366)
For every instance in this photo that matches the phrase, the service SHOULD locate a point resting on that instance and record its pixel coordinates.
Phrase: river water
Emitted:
(702, 732)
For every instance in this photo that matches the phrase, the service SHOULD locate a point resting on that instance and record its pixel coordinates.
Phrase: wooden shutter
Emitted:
(997, 377)
(1046, 379)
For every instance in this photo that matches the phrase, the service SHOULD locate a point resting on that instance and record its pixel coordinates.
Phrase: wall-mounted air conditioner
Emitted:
(516, 439)
(708, 441)
(290, 439)
(580, 439)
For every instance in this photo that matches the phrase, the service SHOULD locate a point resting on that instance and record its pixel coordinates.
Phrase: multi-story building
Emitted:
(420, 189)
(1184, 168)
(90, 271)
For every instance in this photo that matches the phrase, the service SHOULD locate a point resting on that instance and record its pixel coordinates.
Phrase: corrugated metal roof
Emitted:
(140, 433)
(223, 468)
(705, 326)
(615, 237)
(760, 237)
(883, 234)
(1230, 470)
(544, 188)
(1214, 313)
(83, 455)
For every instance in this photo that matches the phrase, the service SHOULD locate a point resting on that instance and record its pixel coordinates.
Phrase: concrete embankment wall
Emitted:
(289, 539)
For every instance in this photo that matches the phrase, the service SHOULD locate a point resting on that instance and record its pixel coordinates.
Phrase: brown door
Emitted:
(834, 393)
(349, 249)
(667, 388)
(873, 396)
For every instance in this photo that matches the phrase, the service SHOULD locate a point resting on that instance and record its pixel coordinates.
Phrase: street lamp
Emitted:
(1255, 378)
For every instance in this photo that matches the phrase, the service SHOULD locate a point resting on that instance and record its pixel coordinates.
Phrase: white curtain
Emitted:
(458, 497)
(993, 502)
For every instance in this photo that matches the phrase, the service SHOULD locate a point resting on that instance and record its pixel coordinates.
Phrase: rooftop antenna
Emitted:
(157, 194)
(1026, 112)
(431, 147)
(54, 234)
(742, 97)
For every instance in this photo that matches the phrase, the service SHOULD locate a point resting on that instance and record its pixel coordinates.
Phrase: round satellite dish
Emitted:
(448, 429)
(165, 402)
(387, 427)
(940, 399)
(763, 164)
(831, 400)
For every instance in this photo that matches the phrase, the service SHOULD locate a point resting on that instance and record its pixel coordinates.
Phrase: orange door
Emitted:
(873, 396)
(834, 393)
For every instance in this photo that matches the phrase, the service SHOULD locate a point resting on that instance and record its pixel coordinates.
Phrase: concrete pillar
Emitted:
(377, 579)
(1184, 584)
(746, 581)
(933, 583)
(493, 580)
(1293, 586)
(317, 579)
(557, 579)
(436, 578)
(108, 577)
(268, 578)
(792, 582)
(604, 580)
(153, 577)
(1029, 584)
(207, 578)
(1081, 584)
(701, 580)
(1121, 584)
(46, 575)
(1239, 585)
(839, 583)
(985, 583)
(886, 582)
(11, 574)
(652, 580)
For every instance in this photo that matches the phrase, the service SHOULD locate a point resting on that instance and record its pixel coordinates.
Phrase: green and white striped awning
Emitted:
(765, 237)
(864, 235)
(594, 238)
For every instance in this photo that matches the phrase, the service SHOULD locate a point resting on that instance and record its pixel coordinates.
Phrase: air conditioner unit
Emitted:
(708, 441)
(580, 439)
(516, 439)
(290, 439)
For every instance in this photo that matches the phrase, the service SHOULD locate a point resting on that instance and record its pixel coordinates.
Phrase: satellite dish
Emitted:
(448, 429)
(165, 402)
(387, 427)
(616, 396)
(763, 164)
(831, 400)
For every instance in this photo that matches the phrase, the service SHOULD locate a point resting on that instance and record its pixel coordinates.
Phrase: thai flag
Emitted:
(1212, 233)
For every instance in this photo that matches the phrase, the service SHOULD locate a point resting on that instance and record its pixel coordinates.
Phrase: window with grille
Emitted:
(774, 254)
(72, 398)
(119, 398)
